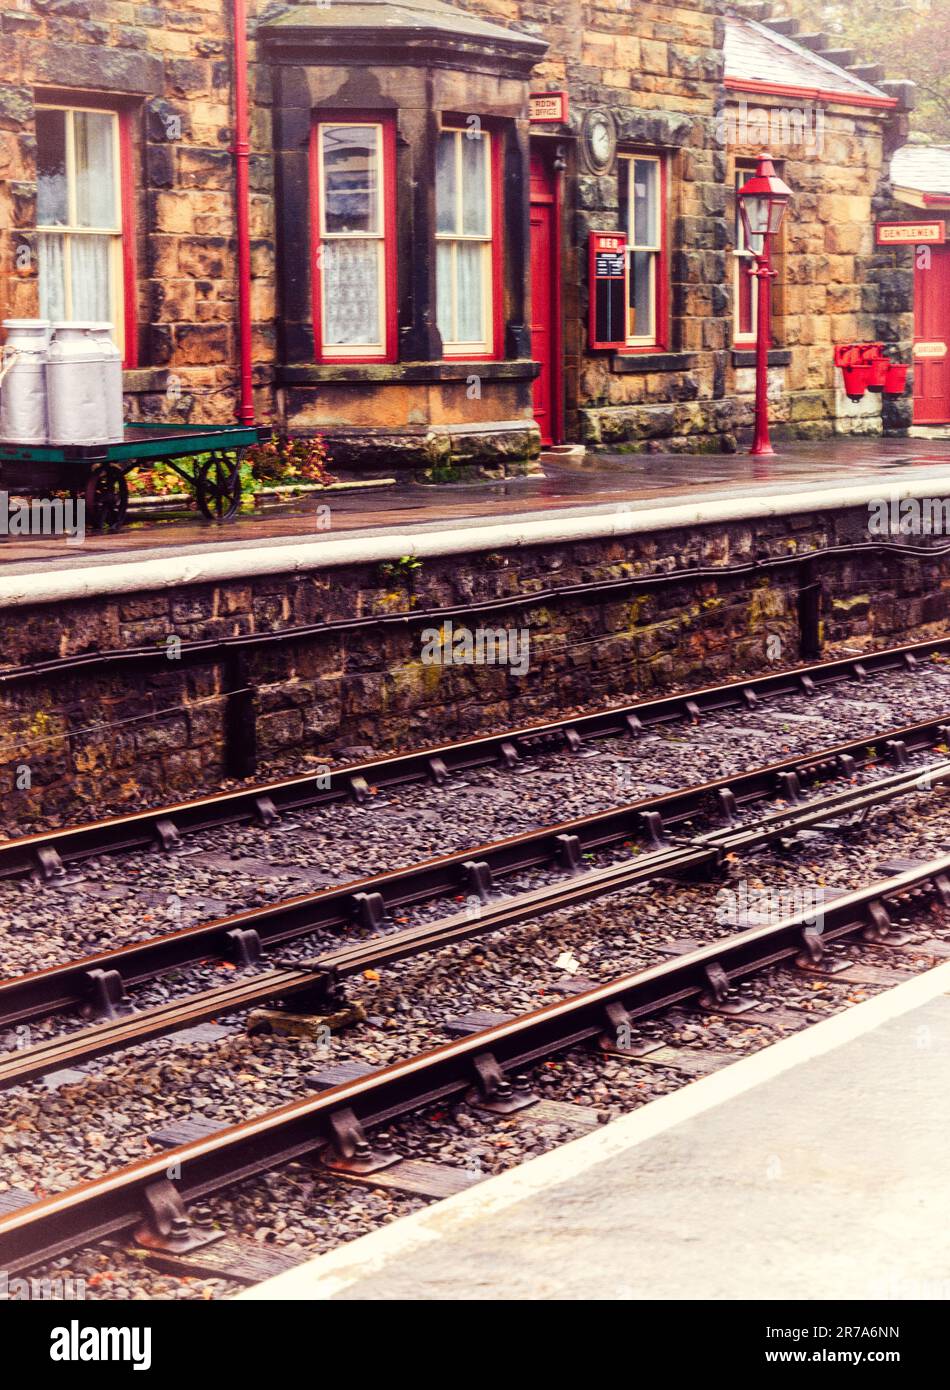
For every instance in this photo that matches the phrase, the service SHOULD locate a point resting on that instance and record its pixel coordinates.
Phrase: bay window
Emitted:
(354, 291)
(79, 206)
(642, 189)
(465, 266)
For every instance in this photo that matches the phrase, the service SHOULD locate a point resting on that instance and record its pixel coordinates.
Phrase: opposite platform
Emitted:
(815, 1169)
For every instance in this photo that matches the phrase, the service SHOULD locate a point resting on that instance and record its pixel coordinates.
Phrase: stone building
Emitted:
(425, 180)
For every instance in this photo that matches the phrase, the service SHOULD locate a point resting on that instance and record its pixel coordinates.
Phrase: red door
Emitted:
(932, 338)
(544, 306)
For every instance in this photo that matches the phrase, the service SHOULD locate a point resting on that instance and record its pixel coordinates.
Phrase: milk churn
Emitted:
(75, 382)
(112, 368)
(23, 418)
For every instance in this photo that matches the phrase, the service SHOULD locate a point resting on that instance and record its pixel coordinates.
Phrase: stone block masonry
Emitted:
(80, 744)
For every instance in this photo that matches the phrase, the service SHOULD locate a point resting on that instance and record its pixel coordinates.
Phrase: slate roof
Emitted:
(755, 53)
(922, 168)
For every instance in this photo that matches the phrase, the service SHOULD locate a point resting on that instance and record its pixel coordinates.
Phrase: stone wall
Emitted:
(127, 737)
(170, 68)
(656, 66)
(833, 285)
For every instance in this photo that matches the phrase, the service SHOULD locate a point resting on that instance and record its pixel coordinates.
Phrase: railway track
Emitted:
(487, 1066)
(317, 987)
(99, 983)
(670, 836)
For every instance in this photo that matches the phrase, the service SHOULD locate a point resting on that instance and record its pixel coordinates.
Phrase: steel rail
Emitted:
(365, 901)
(322, 976)
(49, 851)
(111, 1205)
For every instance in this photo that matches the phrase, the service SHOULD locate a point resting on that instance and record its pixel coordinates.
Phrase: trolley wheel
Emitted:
(218, 486)
(107, 497)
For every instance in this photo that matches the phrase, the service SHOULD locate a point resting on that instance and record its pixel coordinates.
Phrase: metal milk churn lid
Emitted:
(102, 333)
(76, 391)
(23, 381)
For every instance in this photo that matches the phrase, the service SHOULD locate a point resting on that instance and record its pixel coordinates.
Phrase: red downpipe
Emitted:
(242, 158)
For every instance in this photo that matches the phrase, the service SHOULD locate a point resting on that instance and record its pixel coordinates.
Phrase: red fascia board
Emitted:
(780, 89)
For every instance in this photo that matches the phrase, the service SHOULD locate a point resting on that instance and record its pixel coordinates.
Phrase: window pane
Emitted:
(350, 179)
(640, 323)
(94, 135)
(52, 207)
(746, 300)
(474, 185)
(351, 293)
(445, 183)
(443, 282)
(52, 271)
(90, 278)
(470, 270)
(645, 200)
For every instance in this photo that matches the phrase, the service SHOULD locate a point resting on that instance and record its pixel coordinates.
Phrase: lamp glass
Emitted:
(777, 208)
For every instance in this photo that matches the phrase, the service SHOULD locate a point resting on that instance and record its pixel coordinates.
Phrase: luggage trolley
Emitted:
(99, 472)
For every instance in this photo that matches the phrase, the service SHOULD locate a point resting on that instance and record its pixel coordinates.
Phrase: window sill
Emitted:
(745, 357)
(648, 361)
(313, 373)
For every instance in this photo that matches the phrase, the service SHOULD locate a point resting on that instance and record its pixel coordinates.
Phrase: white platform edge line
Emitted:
(330, 1274)
(222, 564)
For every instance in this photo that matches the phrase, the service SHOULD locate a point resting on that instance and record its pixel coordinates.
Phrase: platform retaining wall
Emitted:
(79, 742)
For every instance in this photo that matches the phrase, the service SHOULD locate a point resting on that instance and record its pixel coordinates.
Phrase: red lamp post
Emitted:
(762, 203)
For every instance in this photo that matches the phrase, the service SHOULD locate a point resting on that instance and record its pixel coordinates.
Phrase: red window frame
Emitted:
(390, 307)
(497, 247)
(86, 101)
(661, 336)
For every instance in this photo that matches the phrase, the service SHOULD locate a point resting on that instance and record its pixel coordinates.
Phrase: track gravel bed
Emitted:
(58, 1132)
(113, 900)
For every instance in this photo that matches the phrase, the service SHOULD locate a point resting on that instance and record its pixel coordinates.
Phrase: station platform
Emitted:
(569, 499)
(814, 1169)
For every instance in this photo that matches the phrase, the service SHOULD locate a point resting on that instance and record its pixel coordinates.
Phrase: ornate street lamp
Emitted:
(762, 203)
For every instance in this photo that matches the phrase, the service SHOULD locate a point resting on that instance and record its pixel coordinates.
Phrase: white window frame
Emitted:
(627, 160)
(456, 347)
(359, 350)
(70, 230)
(745, 168)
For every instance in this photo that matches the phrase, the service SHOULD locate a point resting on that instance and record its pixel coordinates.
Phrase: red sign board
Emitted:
(547, 106)
(911, 233)
(608, 289)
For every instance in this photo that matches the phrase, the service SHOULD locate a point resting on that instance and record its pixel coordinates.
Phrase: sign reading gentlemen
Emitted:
(911, 233)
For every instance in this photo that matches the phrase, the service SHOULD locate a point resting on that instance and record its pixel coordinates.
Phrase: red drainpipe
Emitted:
(242, 156)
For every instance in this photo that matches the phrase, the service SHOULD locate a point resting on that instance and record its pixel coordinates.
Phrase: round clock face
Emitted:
(600, 142)
(599, 139)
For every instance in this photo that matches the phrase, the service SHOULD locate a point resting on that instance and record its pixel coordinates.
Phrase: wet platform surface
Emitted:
(815, 1169)
(602, 482)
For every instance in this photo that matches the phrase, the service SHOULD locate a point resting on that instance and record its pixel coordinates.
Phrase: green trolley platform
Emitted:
(99, 473)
